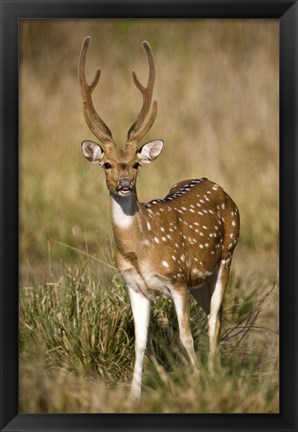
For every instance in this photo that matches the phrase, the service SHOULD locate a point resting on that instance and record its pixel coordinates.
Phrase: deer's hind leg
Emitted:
(217, 291)
(209, 296)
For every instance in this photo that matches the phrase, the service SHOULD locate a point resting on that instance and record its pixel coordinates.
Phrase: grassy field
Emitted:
(217, 93)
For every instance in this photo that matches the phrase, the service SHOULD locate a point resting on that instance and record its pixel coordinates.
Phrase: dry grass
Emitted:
(217, 92)
(77, 350)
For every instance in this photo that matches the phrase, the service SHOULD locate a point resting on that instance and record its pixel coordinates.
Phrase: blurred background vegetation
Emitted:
(217, 91)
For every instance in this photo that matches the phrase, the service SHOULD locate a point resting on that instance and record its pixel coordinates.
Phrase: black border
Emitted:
(10, 12)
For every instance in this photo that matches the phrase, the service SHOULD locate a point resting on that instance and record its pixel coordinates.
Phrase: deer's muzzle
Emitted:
(125, 186)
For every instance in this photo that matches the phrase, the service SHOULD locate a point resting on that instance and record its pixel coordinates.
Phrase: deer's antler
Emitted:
(93, 120)
(139, 128)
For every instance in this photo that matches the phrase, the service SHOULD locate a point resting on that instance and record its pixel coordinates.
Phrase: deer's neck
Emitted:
(125, 213)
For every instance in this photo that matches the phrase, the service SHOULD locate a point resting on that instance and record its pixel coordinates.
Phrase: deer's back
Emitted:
(189, 232)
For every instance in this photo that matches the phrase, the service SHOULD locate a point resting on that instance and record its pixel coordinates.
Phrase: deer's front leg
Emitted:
(180, 298)
(141, 313)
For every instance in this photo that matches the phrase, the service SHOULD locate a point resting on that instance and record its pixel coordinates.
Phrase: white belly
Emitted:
(157, 283)
(146, 283)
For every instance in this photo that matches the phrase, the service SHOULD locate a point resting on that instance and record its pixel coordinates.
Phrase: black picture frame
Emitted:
(11, 12)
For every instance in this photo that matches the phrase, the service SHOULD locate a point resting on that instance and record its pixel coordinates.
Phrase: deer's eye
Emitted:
(107, 165)
(136, 165)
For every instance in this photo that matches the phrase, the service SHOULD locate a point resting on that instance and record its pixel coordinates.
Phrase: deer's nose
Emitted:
(125, 183)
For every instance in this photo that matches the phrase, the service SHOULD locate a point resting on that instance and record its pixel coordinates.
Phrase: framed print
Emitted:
(127, 302)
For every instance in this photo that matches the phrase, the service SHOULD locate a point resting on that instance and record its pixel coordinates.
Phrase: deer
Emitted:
(177, 245)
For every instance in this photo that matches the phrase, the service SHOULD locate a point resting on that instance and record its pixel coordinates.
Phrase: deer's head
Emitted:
(120, 165)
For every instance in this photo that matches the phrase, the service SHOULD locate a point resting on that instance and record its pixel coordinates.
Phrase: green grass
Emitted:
(217, 93)
(79, 331)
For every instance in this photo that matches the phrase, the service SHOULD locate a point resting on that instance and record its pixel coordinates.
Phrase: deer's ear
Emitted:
(92, 151)
(149, 151)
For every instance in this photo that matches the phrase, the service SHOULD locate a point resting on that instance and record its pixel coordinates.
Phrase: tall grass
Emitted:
(79, 332)
(217, 92)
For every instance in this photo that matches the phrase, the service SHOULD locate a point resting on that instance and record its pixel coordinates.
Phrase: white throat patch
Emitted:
(123, 211)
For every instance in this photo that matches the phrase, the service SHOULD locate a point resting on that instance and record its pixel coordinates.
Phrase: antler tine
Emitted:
(138, 129)
(94, 122)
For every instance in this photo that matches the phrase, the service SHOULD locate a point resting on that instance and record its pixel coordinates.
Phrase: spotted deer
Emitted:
(183, 242)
